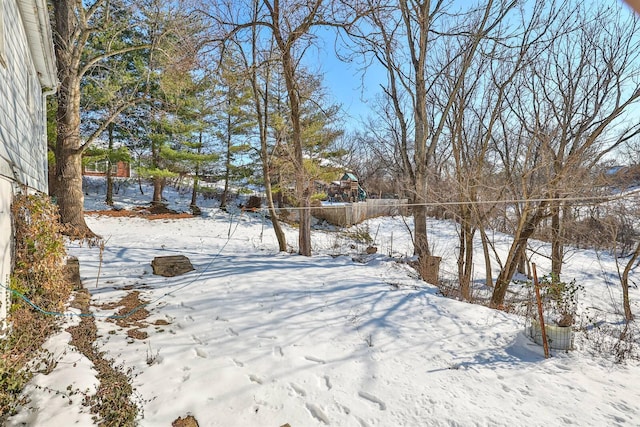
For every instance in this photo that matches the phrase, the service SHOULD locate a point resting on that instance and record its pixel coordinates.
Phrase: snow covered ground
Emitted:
(253, 337)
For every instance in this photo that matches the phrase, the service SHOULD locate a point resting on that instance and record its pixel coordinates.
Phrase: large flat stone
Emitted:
(170, 266)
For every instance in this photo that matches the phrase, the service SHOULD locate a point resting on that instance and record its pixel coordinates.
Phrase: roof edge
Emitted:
(35, 19)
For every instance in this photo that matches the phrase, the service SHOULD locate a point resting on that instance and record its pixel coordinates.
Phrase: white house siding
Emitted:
(23, 150)
(5, 248)
(22, 107)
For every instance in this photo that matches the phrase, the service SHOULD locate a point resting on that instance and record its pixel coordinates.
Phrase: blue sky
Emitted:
(344, 82)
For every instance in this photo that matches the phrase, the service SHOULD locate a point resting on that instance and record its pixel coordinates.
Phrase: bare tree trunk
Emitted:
(304, 233)
(194, 190)
(262, 116)
(266, 174)
(624, 280)
(227, 160)
(423, 151)
(302, 183)
(158, 185)
(109, 197)
(465, 259)
(522, 263)
(487, 257)
(421, 242)
(518, 248)
(468, 263)
(68, 172)
(140, 185)
(461, 257)
(266, 164)
(196, 179)
(157, 181)
(506, 274)
(557, 244)
(277, 228)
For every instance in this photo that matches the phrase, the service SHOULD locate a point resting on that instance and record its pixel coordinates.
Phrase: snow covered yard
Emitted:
(253, 337)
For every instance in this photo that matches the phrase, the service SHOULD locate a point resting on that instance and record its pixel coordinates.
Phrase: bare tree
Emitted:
(291, 25)
(570, 112)
(470, 128)
(258, 64)
(408, 38)
(624, 281)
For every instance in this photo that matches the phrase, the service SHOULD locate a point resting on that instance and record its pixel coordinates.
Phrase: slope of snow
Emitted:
(254, 337)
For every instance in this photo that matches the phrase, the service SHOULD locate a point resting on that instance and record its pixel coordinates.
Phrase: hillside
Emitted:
(253, 337)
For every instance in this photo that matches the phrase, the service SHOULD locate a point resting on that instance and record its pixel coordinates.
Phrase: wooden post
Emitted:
(72, 272)
(536, 285)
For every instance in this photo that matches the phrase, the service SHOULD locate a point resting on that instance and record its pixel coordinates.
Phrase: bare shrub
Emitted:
(617, 341)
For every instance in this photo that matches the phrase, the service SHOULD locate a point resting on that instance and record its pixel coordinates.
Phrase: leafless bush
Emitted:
(599, 233)
(618, 341)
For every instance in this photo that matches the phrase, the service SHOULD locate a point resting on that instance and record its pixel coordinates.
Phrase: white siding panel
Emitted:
(6, 238)
(23, 150)
(22, 107)
(2, 49)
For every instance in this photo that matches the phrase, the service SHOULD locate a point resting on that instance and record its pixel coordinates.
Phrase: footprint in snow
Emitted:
(230, 331)
(267, 337)
(188, 307)
(373, 399)
(327, 382)
(256, 379)
(201, 353)
(299, 390)
(315, 360)
(277, 351)
(317, 413)
(345, 409)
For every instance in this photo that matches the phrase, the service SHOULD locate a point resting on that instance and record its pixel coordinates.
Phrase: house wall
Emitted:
(6, 240)
(22, 108)
(23, 151)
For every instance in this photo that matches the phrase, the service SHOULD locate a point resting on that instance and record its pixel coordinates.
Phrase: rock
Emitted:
(188, 421)
(170, 266)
